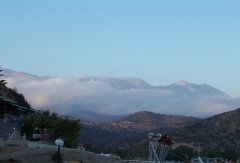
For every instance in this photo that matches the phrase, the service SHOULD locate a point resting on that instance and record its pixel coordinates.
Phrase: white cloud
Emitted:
(70, 94)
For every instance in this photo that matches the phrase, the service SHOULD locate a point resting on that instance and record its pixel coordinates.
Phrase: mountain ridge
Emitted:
(93, 116)
(118, 96)
(132, 81)
(145, 120)
(130, 128)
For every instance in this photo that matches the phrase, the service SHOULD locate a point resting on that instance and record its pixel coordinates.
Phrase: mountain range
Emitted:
(118, 96)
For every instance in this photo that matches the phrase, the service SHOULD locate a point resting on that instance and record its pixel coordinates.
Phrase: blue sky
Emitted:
(158, 41)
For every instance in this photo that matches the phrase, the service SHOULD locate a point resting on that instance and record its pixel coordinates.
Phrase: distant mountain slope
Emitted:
(131, 128)
(185, 87)
(22, 75)
(92, 116)
(119, 83)
(145, 120)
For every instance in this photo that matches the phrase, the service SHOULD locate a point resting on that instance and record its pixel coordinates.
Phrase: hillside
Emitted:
(11, 94)
(145, 120)
(219, 131)
(92, 116)
(130, 129)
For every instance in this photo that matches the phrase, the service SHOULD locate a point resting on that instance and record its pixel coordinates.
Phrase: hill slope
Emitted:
(12, 94)
(219, 131)
(92, 116)
(145, 120)
(131, 128)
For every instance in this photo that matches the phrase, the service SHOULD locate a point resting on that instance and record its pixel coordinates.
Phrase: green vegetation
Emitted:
(18, 97)
(51, 127)
(2, 82)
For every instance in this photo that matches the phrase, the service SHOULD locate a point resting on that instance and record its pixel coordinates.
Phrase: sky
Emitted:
(158, 41)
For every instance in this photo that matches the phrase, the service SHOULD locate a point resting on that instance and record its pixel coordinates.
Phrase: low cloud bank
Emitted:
(65, 95)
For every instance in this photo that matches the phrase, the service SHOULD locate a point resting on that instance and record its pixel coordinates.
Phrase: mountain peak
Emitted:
(181, 83)
(118, 95)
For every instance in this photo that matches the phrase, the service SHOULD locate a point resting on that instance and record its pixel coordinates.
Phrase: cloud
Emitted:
(64, 95)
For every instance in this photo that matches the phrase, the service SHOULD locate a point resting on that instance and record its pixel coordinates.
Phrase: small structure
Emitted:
(10, 110)
(59, 142)
(81, 147)
(159, 146)
(10, 114)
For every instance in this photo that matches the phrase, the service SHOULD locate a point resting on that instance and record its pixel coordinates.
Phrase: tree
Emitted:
(52, 126)
(2, 82)
(46, 122)
(229, 154)
(18, 97)
(28, 125)
(69, 130)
